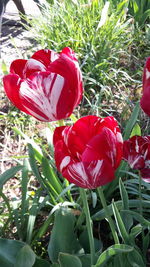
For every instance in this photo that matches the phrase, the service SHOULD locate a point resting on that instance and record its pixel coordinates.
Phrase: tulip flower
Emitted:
(48, 86)
(136, 151)
(145, 100)
(88, 152)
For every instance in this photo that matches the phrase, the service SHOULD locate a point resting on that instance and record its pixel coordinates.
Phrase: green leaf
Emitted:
(111, 251)
(133, 203)
(120, 224)
(63, 238)
(132, 121)
(124, 195)
(86, 260)
(4, 68)
(127, 218)
(54, 265)
(25, 257)
(41, 263)
(67, 260)
(4, 177)
(135, 259)
(136, 130)
(33, 165)
(51, 177)
(84, 241)
(138, 217)
(8, 251)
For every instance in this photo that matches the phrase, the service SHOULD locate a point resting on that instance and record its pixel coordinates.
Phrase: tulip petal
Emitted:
(40, 95)
(145, 102)
(45, 56)
(101, 146)
(17, 67)
(145, 175)
(12, 84)
(84, 157)
(89, 175)
(69, 69)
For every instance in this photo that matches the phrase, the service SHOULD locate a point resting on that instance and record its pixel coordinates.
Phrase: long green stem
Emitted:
(89, 224)
(140, 206)
(112, 227)
(140, 194)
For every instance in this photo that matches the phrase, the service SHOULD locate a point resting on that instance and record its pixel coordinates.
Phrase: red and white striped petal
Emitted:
(85, 157)
(45, 56)
(89, 175)
(49, 87)
(40, 95)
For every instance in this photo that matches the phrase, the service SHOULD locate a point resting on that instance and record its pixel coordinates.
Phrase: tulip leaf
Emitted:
(8, 251)
(135, 259)
(138, 217)
(136, 130)
(42, 263)
(133, 203)
(63, 238)
(131, 122)
(25, 257)
(136, 230)
(34, 166)
(127, 218)
(86, 260)
(67, 260)
(111, 251)
(120, 225)
(4, 177)
(49, 175)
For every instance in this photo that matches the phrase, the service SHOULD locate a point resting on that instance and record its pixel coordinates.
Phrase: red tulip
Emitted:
(48, 86)
(145, 100)
(88, 152)
(136, 151)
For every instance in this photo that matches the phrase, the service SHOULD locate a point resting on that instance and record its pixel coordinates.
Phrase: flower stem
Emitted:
(112, 227)
(140, 205)
(61, 123)
(89, 224)
(140, 194)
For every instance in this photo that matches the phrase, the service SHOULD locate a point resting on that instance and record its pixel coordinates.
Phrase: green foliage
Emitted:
(111, 51)
(98, 34)
(63, 238)
(140, 10)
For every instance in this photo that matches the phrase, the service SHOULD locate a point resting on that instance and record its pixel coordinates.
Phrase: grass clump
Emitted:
(99, 34)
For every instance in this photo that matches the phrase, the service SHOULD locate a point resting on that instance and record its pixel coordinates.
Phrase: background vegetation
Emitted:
(112, 41)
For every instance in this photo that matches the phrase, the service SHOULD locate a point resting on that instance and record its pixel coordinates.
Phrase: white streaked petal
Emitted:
(133, 162)
(78, 174)
(147, 74)
(35, 114)
(33, 64)
(64, 162)
(137, 148)
(54, 56)
(55, 93)
(119, 137)
(95, 170)
(39, 94)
